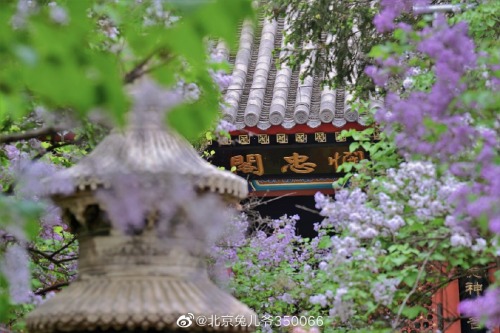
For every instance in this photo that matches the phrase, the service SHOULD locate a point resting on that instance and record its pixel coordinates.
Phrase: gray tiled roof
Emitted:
(262, 95)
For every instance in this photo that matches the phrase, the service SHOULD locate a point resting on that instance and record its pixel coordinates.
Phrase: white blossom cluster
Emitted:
(342, 307)
(414, 193)
(156, 13)
(383, 291)
(351, 212)
(415, 187)
(428, 194)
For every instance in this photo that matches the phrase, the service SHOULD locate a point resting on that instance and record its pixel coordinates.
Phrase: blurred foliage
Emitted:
(66, 62)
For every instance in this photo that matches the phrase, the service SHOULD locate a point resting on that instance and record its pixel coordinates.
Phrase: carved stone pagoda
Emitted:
(138, 283)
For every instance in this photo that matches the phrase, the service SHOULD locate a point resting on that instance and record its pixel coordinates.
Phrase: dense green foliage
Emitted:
(64, 63)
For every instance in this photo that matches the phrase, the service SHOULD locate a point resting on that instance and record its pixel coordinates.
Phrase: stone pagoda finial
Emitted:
(144, 276)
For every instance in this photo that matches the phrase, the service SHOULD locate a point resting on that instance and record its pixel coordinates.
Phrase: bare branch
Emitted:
(64, 247)
(55, 146)
(307, 209)
(56, 286)
(43, 255)
(414, 289)
(13, 137)
(138, 70)
(50, 256)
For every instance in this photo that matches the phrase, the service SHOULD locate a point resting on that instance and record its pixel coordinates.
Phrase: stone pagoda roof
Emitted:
(148, 148)
(263, 96)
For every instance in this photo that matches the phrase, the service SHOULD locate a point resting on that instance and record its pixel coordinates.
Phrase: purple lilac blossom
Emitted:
(453, 54)
(57, 13)
(420, 112)
(485, 307)
(14, 267)
(220, 77)
(383, 292)
(391, 9)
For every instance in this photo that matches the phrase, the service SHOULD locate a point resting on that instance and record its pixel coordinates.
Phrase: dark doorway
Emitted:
(276, 208)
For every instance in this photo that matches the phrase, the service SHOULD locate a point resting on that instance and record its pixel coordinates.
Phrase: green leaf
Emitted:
(193, 119)
(229, 15)
(378, 51)
(438, 256)
(353, 146)
(325, 242)
(392, 248)
(398, 261)
(400, 35)
(32, 228)
(190, 120)
(411, 312)
(410, 278)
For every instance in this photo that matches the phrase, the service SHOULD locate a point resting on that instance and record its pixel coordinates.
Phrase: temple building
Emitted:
(287, 139)
(286, 142)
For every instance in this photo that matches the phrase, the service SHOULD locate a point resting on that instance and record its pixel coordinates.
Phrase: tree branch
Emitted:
(64, 247)
(412, 291)
(138, 70)
(55, 146)
(50, 257)
(67, 259)
(43, 255)
(51, 288)
(13, 137)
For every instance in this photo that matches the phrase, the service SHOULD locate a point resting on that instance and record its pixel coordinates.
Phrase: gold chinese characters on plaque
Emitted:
(353, 157)
(263, 139)
(297, 163)
(475, 323)
(300, 137)
(339, 137)
(291, 161)
(250, 163)
(244, 139)
(473, 288)
(320, 136)
(281, 138)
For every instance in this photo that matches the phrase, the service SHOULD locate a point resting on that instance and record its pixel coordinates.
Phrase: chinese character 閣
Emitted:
(251, 163)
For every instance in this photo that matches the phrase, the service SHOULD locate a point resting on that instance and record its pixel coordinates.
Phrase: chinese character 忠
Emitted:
(353, 157)
(252, 163)
(297, 163)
